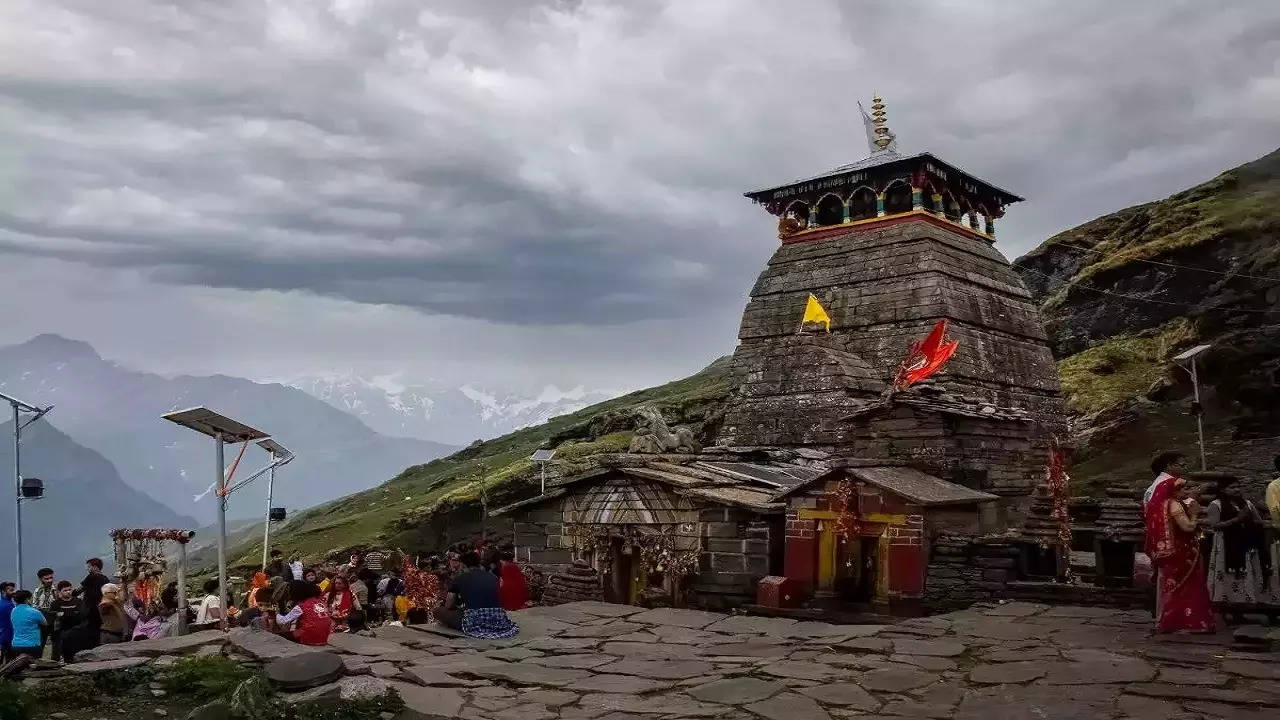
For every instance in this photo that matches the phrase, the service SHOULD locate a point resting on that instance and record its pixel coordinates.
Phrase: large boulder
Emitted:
(306, 670)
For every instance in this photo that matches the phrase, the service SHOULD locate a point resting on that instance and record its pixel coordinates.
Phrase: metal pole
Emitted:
(266, 527)
(17, 496)
(1195, 384)
(222, 529)
(544, 477)
(182, 588)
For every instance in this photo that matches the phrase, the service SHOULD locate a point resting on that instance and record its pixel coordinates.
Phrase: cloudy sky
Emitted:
(519, 193)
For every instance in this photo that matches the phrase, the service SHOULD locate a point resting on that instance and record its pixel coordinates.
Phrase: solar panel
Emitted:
(273, 447)
(1187, 355)
(542, 455)
(205, 421)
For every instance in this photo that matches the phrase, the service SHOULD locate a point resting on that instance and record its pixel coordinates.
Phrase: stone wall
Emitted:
(965, 569)
(884, 288)
(734, 547)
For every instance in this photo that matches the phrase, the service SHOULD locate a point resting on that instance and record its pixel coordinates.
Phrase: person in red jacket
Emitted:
(513, 590)
(308, 623)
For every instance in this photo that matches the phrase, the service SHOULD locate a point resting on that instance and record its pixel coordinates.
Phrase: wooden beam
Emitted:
(877, 518)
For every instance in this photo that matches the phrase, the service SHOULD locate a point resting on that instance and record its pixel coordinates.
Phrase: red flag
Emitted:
(926, 357)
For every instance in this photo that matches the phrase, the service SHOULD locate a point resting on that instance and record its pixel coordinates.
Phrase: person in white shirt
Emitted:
(210, 610)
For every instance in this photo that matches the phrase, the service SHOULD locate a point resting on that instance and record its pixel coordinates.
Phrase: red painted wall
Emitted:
(800, 556)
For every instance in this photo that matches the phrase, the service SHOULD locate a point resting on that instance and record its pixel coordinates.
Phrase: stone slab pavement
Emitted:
(589, 661)
(593, 661)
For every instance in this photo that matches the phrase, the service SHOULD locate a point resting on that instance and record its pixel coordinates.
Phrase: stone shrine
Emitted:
(889, 245)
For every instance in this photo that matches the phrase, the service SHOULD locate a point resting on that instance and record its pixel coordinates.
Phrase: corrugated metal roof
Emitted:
(919, 487)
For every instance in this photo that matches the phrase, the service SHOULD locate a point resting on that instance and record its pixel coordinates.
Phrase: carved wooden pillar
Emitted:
(813, 216)
(990, 226)
(917, 198)
(879, 204)
(847, 209)
(938, 208)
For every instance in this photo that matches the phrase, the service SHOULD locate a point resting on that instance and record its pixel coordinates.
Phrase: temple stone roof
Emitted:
(634, 488)
(918, 487)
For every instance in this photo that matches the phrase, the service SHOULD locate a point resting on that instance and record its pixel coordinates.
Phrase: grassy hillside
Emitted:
(1122, 294)
(494, 471)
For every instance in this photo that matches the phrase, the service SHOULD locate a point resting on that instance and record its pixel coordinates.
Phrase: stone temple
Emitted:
(890, 245)
(826, 481)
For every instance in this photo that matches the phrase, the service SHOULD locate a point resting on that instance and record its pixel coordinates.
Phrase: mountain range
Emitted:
(85, 499)
(433, 410)
(116, 412)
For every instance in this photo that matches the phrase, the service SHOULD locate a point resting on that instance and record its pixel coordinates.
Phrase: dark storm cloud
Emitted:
(577, 161)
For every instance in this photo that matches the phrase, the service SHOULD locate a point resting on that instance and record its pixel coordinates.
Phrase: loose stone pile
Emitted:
(577, 583)
(597, 661)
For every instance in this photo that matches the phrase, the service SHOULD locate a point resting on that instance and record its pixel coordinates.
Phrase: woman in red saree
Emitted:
(513, 589)
(342, 602)
(1173, 547)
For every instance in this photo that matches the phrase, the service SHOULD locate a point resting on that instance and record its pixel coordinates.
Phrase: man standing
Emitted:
(68, 613)
(42, 600)
(91, 590)
(27, 623)
(481, 616)
(6, 619)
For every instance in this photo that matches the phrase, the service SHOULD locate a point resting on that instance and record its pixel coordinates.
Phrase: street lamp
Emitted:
(279, 456)
(542, 456)
(1187, 361)
(222, 429)
(32, 491)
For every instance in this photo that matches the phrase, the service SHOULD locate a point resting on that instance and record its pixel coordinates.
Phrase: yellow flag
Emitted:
(814, 313)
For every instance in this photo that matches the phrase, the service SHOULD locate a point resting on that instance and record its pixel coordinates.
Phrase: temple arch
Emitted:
(897, 197)
(830, 210)
(798, 209)
(950, 206)
(927, 201)
(862, 203)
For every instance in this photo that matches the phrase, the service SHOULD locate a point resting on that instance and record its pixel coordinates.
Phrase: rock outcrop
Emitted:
(1124, 293)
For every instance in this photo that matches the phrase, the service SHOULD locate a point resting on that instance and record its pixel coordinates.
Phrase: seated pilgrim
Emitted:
(473, 604)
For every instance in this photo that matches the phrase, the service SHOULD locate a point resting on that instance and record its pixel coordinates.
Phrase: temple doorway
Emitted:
(857, 569)
(619, 586)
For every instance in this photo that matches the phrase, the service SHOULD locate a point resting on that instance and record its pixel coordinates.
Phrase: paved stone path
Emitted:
(589, 661)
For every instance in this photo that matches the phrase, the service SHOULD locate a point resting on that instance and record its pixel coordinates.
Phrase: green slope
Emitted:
(1123, 294)
(393, 513)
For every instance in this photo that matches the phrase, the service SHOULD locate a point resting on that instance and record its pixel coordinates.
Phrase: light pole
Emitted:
(221, 428)
(279, 456)
(542, 456)
(1187, 361)
(36, 413)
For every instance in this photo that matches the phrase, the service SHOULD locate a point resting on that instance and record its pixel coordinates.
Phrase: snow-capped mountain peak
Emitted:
(430, 409)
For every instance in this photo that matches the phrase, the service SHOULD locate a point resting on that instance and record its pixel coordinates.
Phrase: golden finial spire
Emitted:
(884, 137)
